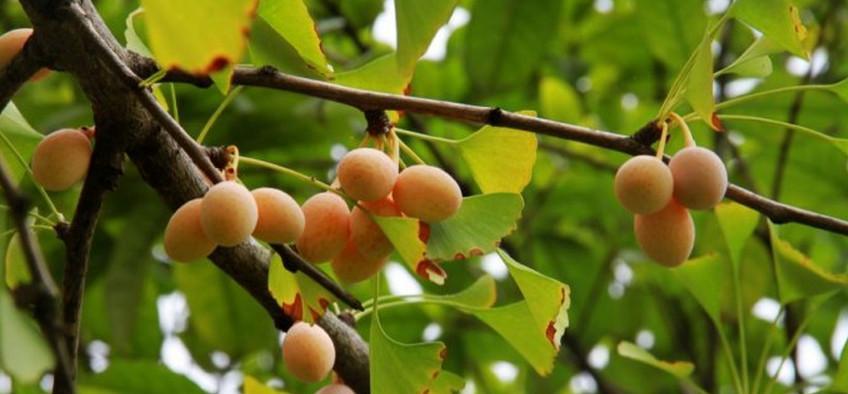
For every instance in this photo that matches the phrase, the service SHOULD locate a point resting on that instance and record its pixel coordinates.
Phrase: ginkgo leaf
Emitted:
(737, 223)
(403, 233)
(777, 19)
(23, 352)
(399, 367)
(515, 151)
(699, 87)
(510, 322)
(21, 135)
(754, 62)
(17, 271)
(478, 227)
(798, 277)
(134, 41)
(704, 277)
(253, 386)
(417, 23)
(680, 369)
(447, 383)
(198, 37)
(481, 294)
(547, 298)
(840, 380)
(299, 296)
(291, 19)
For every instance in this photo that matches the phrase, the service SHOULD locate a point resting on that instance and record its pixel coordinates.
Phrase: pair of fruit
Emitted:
(659, 196)
(353, 242)
(228, 215)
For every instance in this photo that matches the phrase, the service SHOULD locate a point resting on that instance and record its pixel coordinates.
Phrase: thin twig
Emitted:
(635, 145)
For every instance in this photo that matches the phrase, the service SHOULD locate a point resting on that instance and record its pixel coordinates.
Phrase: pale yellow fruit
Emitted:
(700, 178)
(280, 218)
(643, 184)
(367, 174)
(427, 193)
(184, 237)
(308, 352)
(228, 214)
(11, 43)
(350, 266)
(366, 233)
(335, 389)
(61, 159)
(666, 236)
(327, 227)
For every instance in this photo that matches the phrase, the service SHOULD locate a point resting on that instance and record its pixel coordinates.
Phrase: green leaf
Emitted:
(268, 48)
(134, 41)
(754, 62)
(737, 223)
(840, 89)
(481, 294)
(380, 74)
(403, 234)
(506, 40)
(17, 271)
(798, 277)
(399, 367)
(510, 322)
(699, 87)
(482, 221)
(253, 386)
(680, 369)
(559, 101)
(417, 23)
(515, 151)
(198, 37)
(23, 352)
(21, 135)
(672, 29)
(840, 380)
(291, 19)
(137, 377)
(228, 319)
(704, 277)
(547, 298)
(298, 295)
(447, 383)
(777, 19)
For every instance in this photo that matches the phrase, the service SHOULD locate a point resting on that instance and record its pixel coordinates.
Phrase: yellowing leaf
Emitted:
(199, 37)
(380, 74)
(680, 369)
(510, 322)
(500, 159)
(798, 276)
(699, 87)
(403, 234)
(777, 19)
(399, 367)
(253, 386)
(417, 23)
(547, 298)
(291, 19)
(298, 295)
(482, 221)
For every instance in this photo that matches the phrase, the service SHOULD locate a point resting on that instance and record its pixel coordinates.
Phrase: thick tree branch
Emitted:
(638, 144)
(42, 292)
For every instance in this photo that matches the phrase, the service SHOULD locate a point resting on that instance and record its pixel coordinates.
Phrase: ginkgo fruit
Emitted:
(700, 178)
(11, 43)
(335, 388)
(184, 237)
(367, 174)
(280, 218)
(666, 236)
(229, 213)
(327, 227)
(350, 266)
(308, 352)
(643, 184)
(61, 159)
(427, 193)
(366, 233)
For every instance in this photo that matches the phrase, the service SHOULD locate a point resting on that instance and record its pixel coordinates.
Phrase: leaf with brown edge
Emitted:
(299, 296)
(482, 221)
(779, 20)
(432, 271)
(547, 298)
(199, 37)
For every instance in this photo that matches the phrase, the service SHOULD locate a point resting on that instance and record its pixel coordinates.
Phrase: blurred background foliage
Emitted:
(601, 63)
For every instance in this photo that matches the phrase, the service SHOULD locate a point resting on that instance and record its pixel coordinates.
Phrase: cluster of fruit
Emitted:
(659, 195)
(309, 355)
